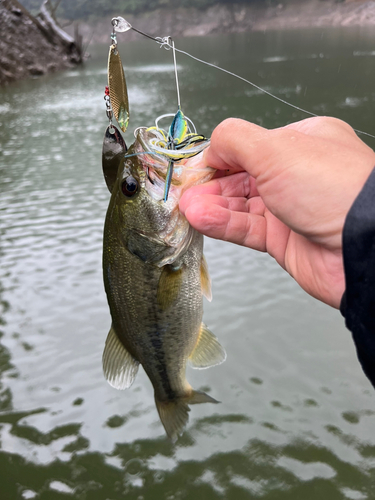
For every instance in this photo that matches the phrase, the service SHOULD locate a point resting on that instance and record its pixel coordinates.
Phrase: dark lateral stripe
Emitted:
(157, 344)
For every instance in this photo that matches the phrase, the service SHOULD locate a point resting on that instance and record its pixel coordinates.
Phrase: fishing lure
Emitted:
(180, 142)
(120, 24)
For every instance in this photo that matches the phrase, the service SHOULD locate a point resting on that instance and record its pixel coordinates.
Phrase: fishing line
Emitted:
(246, 81)
(120, 24)
(143, 153)
(259, 88)
(176, 75)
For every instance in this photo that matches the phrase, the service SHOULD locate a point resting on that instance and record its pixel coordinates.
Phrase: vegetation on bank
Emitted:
(83, 9)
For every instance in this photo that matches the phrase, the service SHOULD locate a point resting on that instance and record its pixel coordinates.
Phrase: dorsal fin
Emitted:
(208, 351)
(119, 366)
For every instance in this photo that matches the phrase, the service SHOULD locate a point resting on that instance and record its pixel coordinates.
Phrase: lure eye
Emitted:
(129, 186)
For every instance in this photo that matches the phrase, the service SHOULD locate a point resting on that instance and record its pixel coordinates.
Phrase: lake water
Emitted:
(297, 418)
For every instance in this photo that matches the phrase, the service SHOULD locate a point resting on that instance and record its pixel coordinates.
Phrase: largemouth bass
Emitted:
(155, 277)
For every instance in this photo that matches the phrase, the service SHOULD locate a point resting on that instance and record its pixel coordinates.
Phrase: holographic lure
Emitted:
(176, 134)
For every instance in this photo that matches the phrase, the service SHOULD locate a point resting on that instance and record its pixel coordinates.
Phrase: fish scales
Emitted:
(138, 319)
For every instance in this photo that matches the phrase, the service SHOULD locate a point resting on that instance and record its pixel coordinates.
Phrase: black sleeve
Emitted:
(358, 302)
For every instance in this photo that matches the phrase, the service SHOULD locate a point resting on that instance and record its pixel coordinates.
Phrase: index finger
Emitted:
(238, 185)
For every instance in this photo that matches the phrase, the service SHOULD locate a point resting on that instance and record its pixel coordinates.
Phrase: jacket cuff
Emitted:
(358, 301)
(343, 304)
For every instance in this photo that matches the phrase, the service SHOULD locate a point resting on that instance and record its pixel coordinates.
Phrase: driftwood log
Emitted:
(56, 34)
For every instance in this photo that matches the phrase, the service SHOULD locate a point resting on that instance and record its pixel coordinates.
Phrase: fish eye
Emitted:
(129, 186)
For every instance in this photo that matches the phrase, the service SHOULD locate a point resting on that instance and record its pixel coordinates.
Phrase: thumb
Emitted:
(237, 145)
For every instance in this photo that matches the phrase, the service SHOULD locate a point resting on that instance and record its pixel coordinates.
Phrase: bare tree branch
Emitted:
(68, 23)
(55, 7)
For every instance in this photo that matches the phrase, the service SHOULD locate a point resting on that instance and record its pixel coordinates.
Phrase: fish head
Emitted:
(151, 228)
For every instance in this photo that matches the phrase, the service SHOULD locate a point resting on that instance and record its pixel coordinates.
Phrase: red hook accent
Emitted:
(106, 92)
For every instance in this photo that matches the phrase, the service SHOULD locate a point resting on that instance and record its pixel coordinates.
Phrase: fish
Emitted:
(155, 277)
(155, 274)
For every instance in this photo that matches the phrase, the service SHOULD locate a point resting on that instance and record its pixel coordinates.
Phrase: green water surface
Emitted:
(297, 418)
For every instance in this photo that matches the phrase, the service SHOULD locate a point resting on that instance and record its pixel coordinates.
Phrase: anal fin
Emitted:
(119, 366)
(208, 351)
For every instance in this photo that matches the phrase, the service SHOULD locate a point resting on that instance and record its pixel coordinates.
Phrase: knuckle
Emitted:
(330, 121)
(225, 127)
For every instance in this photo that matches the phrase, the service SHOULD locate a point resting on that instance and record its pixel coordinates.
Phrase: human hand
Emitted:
(285, 191)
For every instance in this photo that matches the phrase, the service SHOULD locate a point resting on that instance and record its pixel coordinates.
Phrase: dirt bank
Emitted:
(29, 46)
(239, 18)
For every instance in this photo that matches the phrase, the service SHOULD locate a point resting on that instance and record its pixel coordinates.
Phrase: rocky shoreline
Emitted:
(236, 18)
(31, 46)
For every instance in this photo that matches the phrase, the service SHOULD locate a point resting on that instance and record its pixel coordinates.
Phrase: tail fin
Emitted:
(174, 415)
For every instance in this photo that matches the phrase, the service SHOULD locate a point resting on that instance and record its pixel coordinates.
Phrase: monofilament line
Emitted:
(246, 81)
(261, 89)
(176, 75)
(164, 42)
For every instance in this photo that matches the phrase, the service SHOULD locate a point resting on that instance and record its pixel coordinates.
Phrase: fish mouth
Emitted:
(186, 172)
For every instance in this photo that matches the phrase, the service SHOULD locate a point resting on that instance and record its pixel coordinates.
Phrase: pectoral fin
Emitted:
(119, 366)
(205, 280)
(169, 286)
(208, 351)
